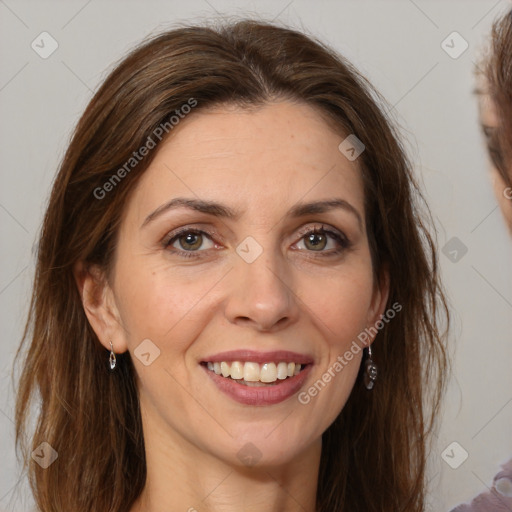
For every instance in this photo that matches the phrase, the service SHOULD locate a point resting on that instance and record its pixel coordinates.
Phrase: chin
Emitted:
(261, 448)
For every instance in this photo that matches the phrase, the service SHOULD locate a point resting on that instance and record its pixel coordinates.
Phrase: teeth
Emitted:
(224, 368)
(250, 372)
(282, 371)
(237, 370)
(268, 372)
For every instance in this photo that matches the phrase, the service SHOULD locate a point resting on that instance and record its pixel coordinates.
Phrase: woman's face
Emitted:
(489, 120)
(253, 281)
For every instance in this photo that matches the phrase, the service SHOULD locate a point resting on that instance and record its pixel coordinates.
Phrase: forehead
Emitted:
(263, 159)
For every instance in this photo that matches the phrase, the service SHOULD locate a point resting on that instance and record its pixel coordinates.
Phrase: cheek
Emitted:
(162, 303)
(171, 308)
(341, 303)
(340, 309)
(503, 196)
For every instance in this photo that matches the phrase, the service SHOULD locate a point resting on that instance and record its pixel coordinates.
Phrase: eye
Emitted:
(189, 241)
(494, 147)
(317, 239)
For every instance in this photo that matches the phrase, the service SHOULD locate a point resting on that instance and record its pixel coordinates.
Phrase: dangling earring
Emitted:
(112, 358)
(370, 371)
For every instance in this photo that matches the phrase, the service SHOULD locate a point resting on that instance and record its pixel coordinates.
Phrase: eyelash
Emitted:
(493, 147)
(496, 155)
(342, 240)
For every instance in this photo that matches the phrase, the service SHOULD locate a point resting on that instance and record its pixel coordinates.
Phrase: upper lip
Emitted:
(259, 357)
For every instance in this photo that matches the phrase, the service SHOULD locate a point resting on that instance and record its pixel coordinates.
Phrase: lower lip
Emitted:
(260, 395)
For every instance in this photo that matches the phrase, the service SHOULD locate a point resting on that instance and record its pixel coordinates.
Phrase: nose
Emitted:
(262, 294)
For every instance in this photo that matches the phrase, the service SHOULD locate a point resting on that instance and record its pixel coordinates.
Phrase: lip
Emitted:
(255, 356)
(261, 395)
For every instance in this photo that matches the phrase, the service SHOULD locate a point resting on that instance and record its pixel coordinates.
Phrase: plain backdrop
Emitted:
(398, 45)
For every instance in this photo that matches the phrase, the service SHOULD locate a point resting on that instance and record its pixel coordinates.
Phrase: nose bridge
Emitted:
(262, 290)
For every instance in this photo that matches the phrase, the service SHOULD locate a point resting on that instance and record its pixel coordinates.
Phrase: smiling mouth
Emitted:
(254, 374)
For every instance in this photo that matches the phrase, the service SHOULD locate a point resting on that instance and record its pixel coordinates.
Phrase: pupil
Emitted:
(317, 237)
(189, 239)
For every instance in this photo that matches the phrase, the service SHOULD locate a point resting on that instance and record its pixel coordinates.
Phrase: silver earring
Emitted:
(370, 371)
(112, 358)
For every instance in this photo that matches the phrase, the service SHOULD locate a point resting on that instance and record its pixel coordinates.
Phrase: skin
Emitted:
(489, 120)
(261, 162)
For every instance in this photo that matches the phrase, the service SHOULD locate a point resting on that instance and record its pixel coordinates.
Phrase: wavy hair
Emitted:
(374, 454)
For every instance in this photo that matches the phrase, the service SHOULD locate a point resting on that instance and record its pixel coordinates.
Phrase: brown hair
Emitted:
(374, 454)
(497, 70)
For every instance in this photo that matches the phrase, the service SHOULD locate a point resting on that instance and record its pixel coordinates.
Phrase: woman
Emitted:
(234, 232)
(495, 109)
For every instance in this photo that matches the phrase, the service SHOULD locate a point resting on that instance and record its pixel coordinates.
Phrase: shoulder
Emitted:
(498, 498)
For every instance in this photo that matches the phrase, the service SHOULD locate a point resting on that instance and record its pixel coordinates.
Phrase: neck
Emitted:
(182, 477)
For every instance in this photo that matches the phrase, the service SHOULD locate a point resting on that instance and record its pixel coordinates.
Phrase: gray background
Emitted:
(398, 46)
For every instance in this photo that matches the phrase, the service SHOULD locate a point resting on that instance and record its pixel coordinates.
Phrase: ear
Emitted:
(379, 298)
(99, 305)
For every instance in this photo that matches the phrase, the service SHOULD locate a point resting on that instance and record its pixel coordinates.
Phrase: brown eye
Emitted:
(316, 239)
(190, 241)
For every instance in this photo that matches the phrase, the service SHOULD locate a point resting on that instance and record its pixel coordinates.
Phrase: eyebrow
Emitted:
(224, 211)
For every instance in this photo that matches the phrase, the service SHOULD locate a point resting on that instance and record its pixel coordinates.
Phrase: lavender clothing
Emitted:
(497, 499)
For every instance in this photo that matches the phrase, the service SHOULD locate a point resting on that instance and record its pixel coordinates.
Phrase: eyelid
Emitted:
(323, 227)
(189, 229)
